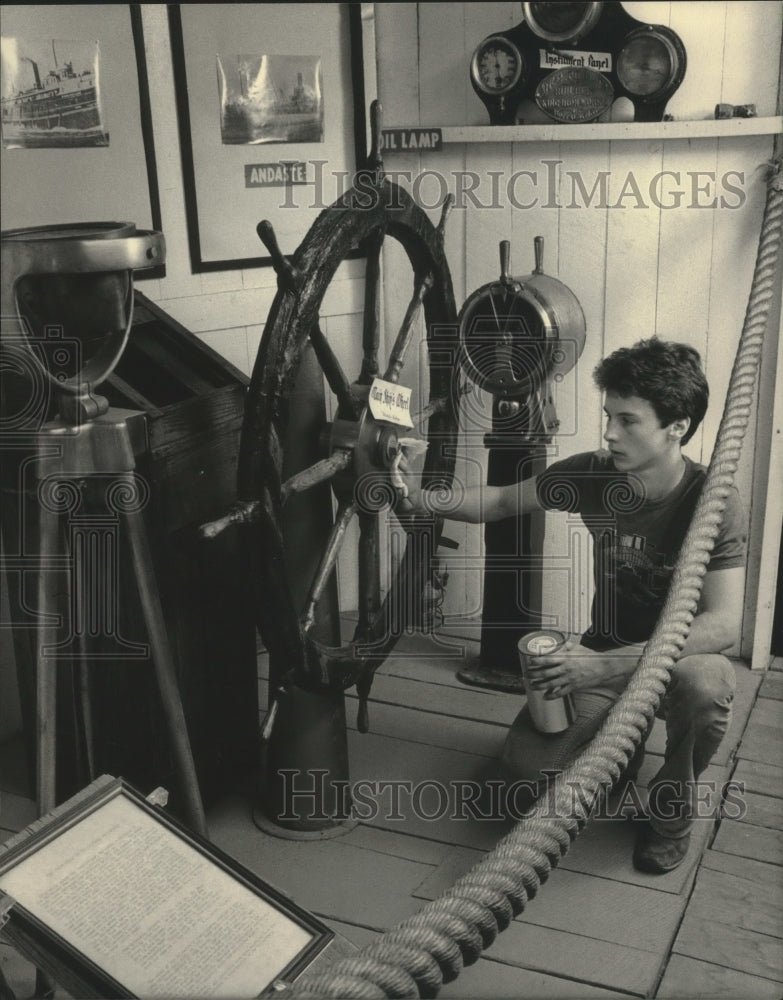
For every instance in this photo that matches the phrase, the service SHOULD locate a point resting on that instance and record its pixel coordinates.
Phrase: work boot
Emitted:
(657, 854)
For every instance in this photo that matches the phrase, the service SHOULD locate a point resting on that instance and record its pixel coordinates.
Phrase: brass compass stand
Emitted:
(80, 279)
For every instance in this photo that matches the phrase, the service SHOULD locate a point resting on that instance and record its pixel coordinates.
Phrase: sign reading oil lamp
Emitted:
(569, 63)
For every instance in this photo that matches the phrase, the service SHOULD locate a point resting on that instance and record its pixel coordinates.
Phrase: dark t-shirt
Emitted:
(636, 540)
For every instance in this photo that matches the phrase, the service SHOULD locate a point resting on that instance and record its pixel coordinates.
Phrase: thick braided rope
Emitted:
(429, 949)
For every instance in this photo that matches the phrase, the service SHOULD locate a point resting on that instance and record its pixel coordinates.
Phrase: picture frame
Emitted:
(46, 186)
(231, 186)
(109, 895)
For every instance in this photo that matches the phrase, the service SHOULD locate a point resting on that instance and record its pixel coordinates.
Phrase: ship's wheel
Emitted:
(359, 448)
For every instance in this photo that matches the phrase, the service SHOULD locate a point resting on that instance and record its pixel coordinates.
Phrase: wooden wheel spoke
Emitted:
(345, 513)
(332, 369)
(404, 337)
(369, 576)
(434, 406)
(371, 330)
(315, 474)
(438, 405)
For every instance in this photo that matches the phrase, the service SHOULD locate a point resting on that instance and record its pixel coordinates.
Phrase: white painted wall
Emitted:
(682, 273)
(227, 309)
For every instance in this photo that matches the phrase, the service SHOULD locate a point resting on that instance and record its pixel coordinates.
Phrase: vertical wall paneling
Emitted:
(228, 309)
(765, 535)
(758, 75)
(685, 261)
(761, 601)
(736, 240)
(665, 247)
(681, 271)
(582, 246)
(484, 221)
(703, 34)
(442, 40)
(752, 55)
(632, 243)
(398, 93)
(397, 48)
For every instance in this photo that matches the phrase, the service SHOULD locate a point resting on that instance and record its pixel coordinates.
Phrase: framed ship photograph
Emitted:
(51, 94)
(77, 138)
(269, 99)
(272, 121)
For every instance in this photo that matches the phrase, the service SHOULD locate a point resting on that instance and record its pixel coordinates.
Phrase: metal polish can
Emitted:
(553, 715)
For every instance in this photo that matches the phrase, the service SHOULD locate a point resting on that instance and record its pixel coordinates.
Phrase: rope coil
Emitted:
(431, 947)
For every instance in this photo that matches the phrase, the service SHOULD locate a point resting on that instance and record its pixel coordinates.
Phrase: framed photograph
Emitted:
(51, 94)
(112, 897)
(75, 105)
(271, 102)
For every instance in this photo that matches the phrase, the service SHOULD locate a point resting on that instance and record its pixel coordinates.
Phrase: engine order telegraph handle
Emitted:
(505, 262)
(517, 333)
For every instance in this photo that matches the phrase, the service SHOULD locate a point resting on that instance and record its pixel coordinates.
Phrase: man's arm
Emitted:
(714, 629)
(477, 503)
(716, 626)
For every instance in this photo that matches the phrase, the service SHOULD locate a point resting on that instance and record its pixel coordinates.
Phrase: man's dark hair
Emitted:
(668, 375)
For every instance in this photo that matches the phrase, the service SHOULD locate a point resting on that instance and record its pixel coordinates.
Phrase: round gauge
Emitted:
(507, 340)
(496, 65)
(561, 22)
(648, 63)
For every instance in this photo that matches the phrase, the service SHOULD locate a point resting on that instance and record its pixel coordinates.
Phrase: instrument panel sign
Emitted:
(404, 139)
(280, 174)
(557, 59)
(391, 402)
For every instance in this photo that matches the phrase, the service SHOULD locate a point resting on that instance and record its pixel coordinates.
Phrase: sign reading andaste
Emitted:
(275, 174)
(400, 139)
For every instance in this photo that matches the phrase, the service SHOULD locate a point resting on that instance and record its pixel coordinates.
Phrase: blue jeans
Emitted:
(697, 711)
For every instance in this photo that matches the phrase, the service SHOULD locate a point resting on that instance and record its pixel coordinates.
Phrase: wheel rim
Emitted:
(364, 216)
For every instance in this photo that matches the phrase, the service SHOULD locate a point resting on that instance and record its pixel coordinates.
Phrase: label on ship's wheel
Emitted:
(391, 402)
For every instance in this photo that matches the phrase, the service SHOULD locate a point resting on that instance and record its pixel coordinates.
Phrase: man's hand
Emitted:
(406, 482)
(572, 667)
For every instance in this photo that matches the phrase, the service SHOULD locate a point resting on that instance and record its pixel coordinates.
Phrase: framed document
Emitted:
(111, 897)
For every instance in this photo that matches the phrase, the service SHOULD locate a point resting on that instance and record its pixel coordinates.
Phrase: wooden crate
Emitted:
(194, 402)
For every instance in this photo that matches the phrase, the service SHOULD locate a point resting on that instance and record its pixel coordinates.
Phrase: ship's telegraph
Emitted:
(570, 62)
(518, 335)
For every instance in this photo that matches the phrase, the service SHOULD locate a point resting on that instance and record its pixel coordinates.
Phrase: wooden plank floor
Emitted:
(598, 928)
(730, 942)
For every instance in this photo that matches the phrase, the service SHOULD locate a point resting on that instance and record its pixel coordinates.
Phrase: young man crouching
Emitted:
(636, 498)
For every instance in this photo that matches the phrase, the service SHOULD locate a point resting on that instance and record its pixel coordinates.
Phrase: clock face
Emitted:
(646, 64)
(497, 65)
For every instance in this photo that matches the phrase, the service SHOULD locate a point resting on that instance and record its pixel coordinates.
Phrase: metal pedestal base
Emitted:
(67, 456)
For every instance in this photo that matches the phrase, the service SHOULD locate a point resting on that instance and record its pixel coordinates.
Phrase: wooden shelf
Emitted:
(707, 129)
